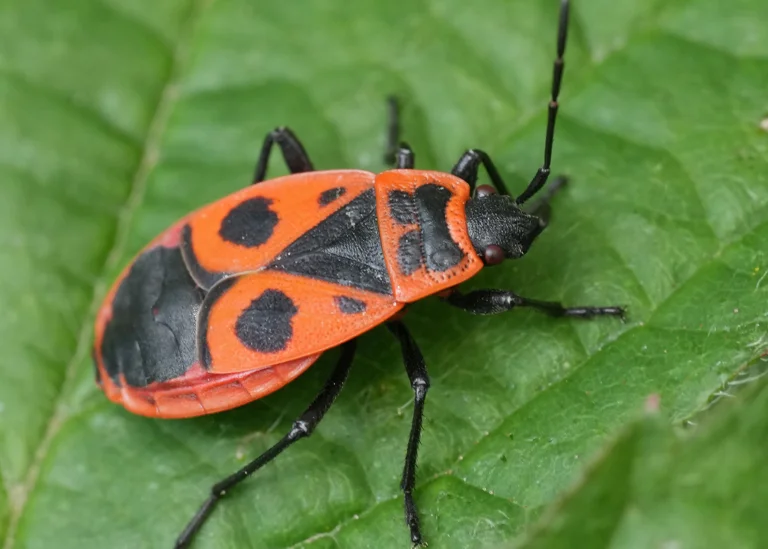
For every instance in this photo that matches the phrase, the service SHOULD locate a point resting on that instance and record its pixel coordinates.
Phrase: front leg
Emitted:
(468, 167)
(492, 302)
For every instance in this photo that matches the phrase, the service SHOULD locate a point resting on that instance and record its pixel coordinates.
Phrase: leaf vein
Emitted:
(149, 158)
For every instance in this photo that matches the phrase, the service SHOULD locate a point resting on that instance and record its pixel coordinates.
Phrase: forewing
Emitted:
(254, 321)
(246, 230)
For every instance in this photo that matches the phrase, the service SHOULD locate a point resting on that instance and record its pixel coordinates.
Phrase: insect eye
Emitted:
(484, 190)
(493, 255)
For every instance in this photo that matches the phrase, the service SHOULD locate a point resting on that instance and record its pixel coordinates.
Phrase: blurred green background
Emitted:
(117, 117)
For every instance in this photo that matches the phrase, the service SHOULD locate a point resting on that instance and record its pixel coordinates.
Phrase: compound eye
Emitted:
(493, 255)
(484, 190)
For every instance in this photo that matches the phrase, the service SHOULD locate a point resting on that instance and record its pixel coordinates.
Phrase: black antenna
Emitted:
(542, 174)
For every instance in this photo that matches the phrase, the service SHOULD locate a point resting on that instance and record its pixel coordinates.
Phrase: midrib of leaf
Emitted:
(149, 157)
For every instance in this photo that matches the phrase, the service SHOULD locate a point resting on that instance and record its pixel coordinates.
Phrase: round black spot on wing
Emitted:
(250, 223)
(350, 305)
(328, 196)
(409, 257)
(151, 336)
(265, 326)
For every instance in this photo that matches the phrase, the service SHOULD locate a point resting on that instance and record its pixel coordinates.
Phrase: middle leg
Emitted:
(417, 374)
(397, 154)
(468, 167)
(303, 427)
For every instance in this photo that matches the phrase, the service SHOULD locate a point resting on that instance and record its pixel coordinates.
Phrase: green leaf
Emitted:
(119, 117)
(655, 489)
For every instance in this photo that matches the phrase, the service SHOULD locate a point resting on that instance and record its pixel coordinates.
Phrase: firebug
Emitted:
(238, 298)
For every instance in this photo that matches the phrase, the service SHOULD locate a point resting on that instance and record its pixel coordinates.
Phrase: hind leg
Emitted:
(296, 157)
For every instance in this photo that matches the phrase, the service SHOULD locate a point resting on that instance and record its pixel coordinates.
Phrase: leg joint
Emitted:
(300, 429)
(420, 386)
(282, 135)
(219, 490)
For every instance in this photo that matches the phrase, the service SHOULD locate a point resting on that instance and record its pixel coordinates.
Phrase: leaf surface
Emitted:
(119, 117)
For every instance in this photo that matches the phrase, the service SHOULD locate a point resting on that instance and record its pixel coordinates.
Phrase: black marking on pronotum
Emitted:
(344, 248)
(204, 278)
(409, 257)
(151, 336)
(202, 322)
(350, 305)
(401, 207)
(329, 195)
(265, 325)
(431, 244)
(250, 223)
(440, 251)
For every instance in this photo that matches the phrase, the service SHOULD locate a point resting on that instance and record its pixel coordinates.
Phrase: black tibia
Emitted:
(417, 374)
(393, 130)
(295, 156)
(468, 167)
(301, 428)
(542, 174)
(469, 163)
(397, 153)
(491, 302)
(404, 158)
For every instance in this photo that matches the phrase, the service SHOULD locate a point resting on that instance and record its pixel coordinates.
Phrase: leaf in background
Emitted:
(119, 117)
(654, 489)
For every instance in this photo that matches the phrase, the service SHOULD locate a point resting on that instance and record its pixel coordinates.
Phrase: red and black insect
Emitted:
(240, 297)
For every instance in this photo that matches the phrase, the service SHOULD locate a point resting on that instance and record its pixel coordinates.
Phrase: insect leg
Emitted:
(393, 130)
(469, 165)
(404, 159)
(397, 154)
(491, 302)
(542, 173)
(301, 428)
(417, 374)
(296, 158)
